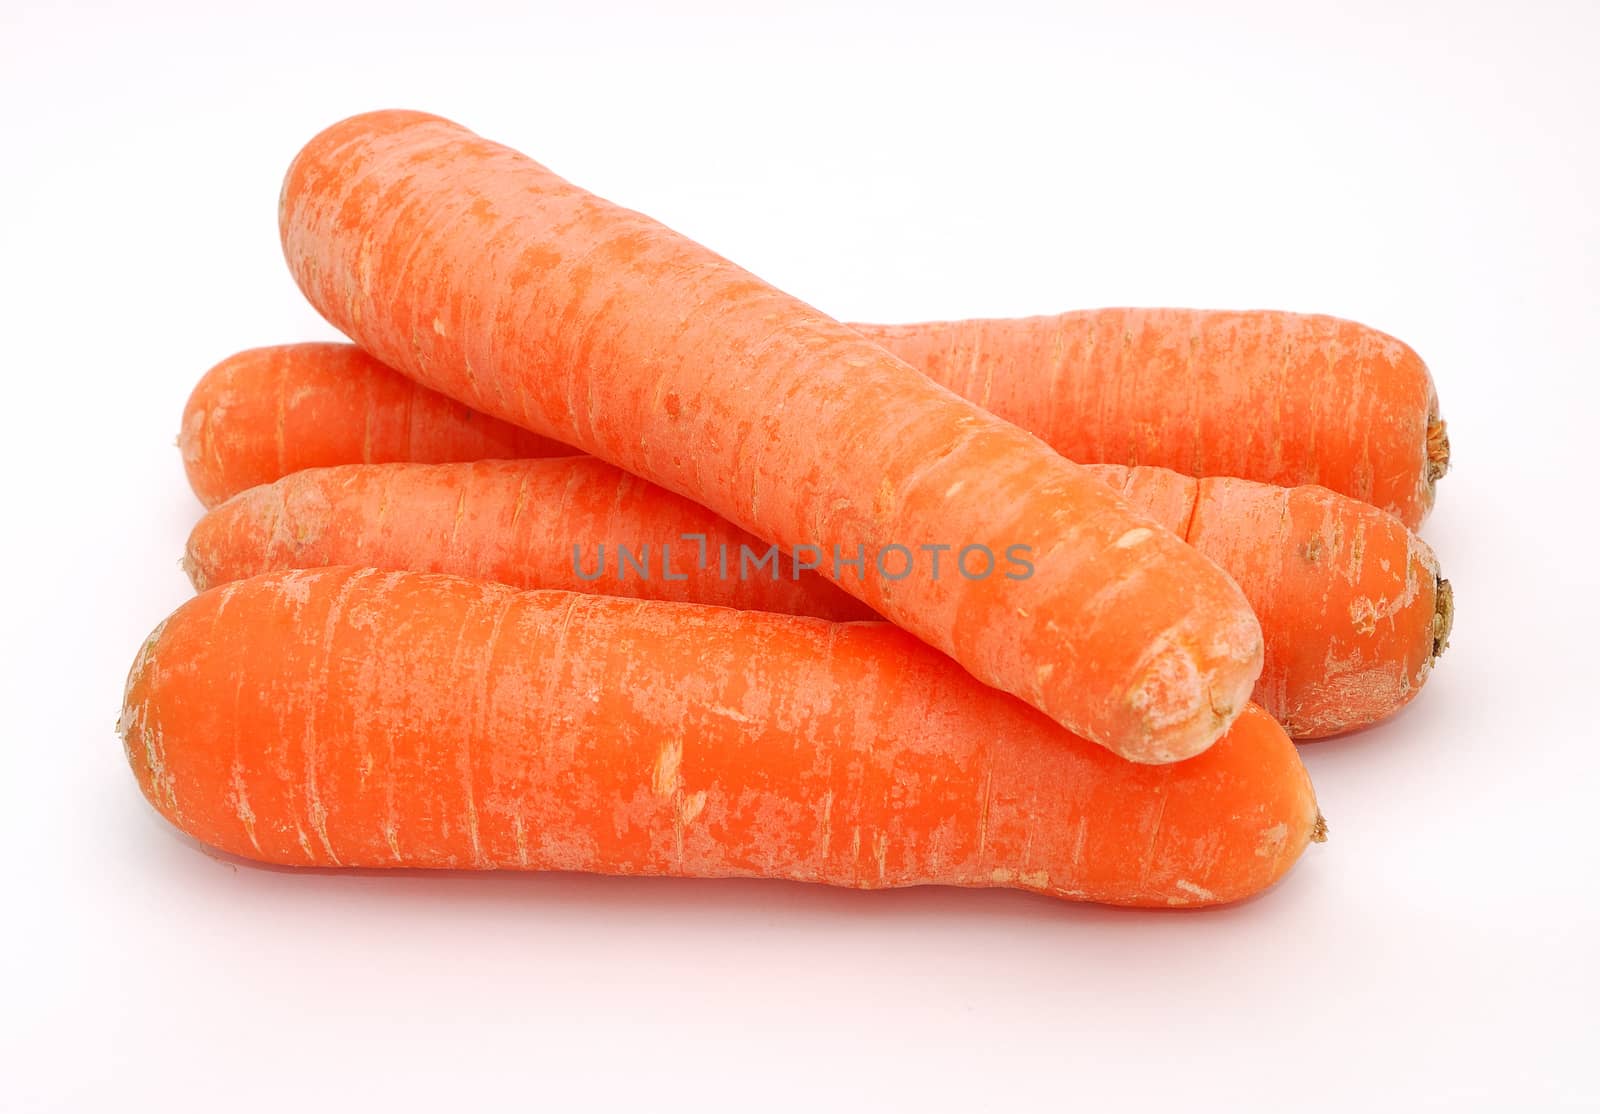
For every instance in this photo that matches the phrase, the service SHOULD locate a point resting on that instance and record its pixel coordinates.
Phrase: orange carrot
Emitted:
(354, 718)
(1284, 398)
(230, 444)
(1350, 601)
(572, 523)
(266, 412)
(481, 274)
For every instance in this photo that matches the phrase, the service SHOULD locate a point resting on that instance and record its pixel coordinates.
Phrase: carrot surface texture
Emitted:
(1350, 601)
(357, 718)
(478, 272)
(1284, 398)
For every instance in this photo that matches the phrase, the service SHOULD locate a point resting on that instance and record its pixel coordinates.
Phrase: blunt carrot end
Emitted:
(194, 568)
(267, 412)
(1177, 680)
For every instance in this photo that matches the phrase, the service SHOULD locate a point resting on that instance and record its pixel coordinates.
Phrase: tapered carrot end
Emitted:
(1251, 795)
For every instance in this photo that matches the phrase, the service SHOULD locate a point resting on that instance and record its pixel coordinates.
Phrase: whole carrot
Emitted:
(240, 427)
(1284, 398)
(354, 718)
(478, 272)
(266, 412)
(1351, 604)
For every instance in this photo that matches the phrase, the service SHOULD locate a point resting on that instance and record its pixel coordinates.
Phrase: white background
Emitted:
(1429, 168)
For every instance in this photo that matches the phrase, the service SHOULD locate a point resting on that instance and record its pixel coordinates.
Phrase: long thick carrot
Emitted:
(478, 272)
(1283, 398)
(355, 718)
(266, 412)
(1350, 601)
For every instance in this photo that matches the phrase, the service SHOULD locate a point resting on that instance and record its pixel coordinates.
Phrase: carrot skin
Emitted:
(479, 273)
(1346, 595)
(266, 412)
(355, 718)
(1282, 398)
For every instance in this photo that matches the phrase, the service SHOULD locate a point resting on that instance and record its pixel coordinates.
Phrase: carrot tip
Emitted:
(1319, 830)
(1444, 615)
(194, 571)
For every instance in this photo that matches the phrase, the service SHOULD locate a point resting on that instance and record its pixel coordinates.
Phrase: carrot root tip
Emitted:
(1444, 615)
(1438, 449)
(1319, 830)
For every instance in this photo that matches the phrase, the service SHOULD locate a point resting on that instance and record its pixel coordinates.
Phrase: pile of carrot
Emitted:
(593, 551)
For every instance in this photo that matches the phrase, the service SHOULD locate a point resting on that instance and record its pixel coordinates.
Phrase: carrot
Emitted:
(1350, 601)
(233, 436)
(354, 718)
(266, 412)
(1283, 398)
(479, 273)
(572, 523)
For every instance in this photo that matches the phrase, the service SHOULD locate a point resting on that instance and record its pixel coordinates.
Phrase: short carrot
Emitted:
(1284, 398)
(1388, 450)
(355, 718)
(265, 412)
(1350, 601)
(478, 272)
